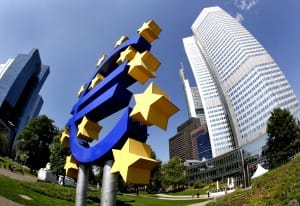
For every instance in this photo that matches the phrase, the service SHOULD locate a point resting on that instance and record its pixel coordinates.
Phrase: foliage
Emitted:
(173, 174)
(277, 187)
(199, 184)
(34, 141)
(58, 156)
(155, 176)
(4, 145)
(284, 137)
(95, 175)
(6, 163)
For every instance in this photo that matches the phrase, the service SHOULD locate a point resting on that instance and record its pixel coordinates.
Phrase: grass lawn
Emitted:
(12, 189)
(49, 194)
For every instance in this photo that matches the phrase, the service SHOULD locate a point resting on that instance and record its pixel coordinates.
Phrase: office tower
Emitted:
(201, 147)
(195, 107)
(181, 144)
(20, 82)
(239, 82)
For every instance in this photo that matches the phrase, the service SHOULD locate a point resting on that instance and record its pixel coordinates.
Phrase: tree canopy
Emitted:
(284, 136)
(34, 142)
(173, 173)
(155, 176)
(4, 144)
(58, 155)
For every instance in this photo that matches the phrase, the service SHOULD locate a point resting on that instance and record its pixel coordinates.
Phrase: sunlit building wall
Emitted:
(239, 82)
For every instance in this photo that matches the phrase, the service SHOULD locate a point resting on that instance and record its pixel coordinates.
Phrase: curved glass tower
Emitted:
(21, 80)
(239, 82)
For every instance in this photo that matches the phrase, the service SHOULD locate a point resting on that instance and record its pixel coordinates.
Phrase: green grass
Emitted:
(12, 189)
(49, 194)
(147, 200)
(277, 187)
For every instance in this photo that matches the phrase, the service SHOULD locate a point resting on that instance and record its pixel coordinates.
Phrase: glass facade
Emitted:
(238, 165)
(201, 144)
(239, 82)
(20, 83)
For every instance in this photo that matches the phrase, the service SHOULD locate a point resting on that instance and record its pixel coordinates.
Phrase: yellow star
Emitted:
(88, 129)
(81, 89)
(64, 139)
(71, 167)
(98, 78)
(127, 54)
(100, 60)
(133, 162)
(153, 107)
(120, 41)
(149, 31)
(143, 66)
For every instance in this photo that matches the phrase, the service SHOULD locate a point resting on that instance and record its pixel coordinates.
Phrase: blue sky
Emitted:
(72, 34)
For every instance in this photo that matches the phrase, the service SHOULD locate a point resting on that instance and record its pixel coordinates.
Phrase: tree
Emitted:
(4, 144)
(155, 176)
(173, 173)
(284, 136)
(95, 175)
(34, 142)
(58, 155)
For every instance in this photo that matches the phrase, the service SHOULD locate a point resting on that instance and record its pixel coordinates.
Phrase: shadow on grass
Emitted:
(124, 203)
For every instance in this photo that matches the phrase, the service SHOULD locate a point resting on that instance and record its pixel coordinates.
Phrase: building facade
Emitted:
(238, 81)
(180, 145)
(200, 143)
(193, 99)
(20, 82)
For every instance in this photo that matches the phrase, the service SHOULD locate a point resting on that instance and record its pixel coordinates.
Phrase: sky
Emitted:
(72, 34)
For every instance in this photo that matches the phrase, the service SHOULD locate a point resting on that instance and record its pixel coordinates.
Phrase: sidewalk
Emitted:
(17, 176)
(180, 197)
(185, 197)
(7, 202)
(201, 203)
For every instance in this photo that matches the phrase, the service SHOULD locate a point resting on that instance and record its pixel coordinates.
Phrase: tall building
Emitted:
(238, 81)
(192, 96)
(200, 143)
(20, 82)
(180, 145)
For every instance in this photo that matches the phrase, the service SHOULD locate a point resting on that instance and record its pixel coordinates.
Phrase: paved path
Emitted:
(185, 197)
(7, 202)
(17, 176)
(179, 197)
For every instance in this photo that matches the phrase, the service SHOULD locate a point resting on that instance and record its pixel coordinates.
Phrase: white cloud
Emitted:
(245, 4)
(239, 17)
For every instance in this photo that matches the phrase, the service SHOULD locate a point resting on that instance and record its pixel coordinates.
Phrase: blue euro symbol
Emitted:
(106, 98)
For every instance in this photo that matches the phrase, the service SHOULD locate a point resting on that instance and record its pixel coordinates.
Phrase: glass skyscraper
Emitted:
(238, 81)
(20, 82)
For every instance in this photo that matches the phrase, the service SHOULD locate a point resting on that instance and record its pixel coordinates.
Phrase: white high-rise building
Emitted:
(239, 82)
(193, 99)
